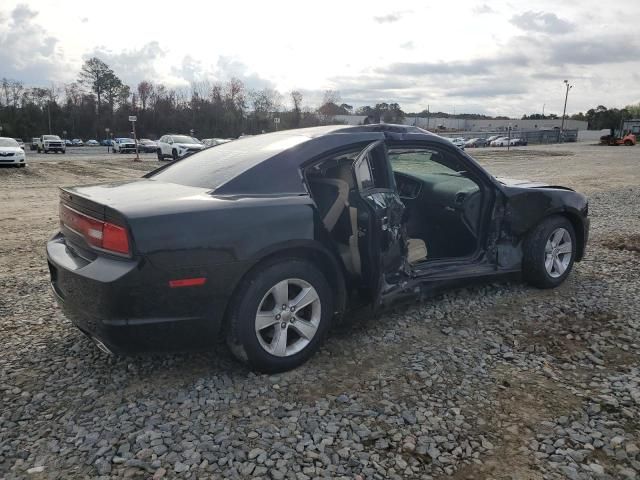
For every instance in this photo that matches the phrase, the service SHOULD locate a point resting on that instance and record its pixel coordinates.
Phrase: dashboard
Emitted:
(408, 187)
(442, 194)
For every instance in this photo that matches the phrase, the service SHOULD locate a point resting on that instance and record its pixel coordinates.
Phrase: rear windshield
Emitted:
(214, 167)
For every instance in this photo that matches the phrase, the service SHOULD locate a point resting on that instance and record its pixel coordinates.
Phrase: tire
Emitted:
(628, 143)
(174, 155)
(546, 263)
(160, 156)
(260, 348)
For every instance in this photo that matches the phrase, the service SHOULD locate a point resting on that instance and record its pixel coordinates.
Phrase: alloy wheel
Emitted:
(288, 317)
(557, 252)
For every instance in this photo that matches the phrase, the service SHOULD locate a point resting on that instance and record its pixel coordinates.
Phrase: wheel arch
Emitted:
(577, 223)
(311, 251)
(578, 229)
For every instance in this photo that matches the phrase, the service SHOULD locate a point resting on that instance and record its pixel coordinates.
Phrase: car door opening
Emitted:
(443, 202)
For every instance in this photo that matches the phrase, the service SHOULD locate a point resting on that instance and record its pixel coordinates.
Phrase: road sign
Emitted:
(276, 120)
(132, 118)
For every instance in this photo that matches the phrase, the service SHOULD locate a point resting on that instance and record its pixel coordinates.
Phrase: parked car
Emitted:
(475, 143)
(500, 142)
(76, 142)
(123, 145)
(92, 143)
(265, 241)
(147, 146)
(106, 142)
(177, 146)
(34, 144)
(212, 142)
(458, 142)
(492, 138)
(20, 142)
(11, 153)
(51, 143)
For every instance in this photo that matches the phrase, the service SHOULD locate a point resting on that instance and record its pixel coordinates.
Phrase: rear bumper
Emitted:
(127, 305)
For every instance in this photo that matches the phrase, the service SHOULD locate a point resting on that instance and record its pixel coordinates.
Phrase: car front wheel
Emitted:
(280, 315)
(160, 156)
(174, 154)
(549, 252)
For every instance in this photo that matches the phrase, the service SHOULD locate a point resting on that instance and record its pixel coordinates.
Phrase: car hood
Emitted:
(11, 150)
(189, 145)
(515, 182)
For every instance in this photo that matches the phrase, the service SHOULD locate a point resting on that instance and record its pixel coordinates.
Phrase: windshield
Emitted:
(8, 142)
(184, 139)
(51, 137)
(422, 163)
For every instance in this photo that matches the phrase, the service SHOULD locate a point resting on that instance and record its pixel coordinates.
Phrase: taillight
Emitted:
(97, 233)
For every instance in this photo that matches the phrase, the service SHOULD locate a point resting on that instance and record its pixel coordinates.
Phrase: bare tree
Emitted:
(145, 90)
(331, 96)
(296, 100)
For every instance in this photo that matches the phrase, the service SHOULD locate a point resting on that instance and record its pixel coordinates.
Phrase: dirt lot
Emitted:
(499, 381)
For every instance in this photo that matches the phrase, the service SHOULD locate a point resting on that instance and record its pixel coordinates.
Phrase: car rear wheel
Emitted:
(549, 252)
(280, 316)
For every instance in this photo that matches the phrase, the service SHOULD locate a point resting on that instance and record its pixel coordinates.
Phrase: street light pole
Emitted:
(564, 111)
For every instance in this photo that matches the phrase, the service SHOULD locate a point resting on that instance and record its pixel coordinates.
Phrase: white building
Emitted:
(462, 124)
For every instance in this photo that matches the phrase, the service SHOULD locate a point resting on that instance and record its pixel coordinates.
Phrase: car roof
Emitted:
(241, 166)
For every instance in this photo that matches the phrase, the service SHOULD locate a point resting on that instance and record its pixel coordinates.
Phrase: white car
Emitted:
(500, 142)
(458, 142)
(51, 143)
(177, 146)
(11, 153)
(122, 145)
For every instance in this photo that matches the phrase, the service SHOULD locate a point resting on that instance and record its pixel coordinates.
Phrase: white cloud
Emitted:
(494, 57)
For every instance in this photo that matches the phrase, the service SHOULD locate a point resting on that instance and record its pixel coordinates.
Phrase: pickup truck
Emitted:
(51, 143)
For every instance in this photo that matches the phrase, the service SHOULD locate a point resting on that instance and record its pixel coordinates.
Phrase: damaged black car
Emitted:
(266, 241)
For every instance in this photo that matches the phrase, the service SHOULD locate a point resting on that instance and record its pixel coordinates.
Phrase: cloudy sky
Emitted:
(498, 57)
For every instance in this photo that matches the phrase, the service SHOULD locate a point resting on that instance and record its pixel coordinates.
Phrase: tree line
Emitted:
(599, 118)
(99, 102)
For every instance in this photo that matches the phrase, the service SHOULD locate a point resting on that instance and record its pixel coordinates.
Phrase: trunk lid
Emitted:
(132, 198)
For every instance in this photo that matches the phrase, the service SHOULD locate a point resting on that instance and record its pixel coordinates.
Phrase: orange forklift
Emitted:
(618, 137)
(613, 139)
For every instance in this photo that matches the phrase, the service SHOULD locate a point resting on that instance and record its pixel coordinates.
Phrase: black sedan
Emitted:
(147, 146)
(266, 241)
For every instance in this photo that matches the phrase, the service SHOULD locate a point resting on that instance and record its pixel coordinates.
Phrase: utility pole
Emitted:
(564, 111)
(543, 105)
(428, 117)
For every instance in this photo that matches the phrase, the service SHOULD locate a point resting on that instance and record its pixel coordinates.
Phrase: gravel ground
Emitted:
(500, 381)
